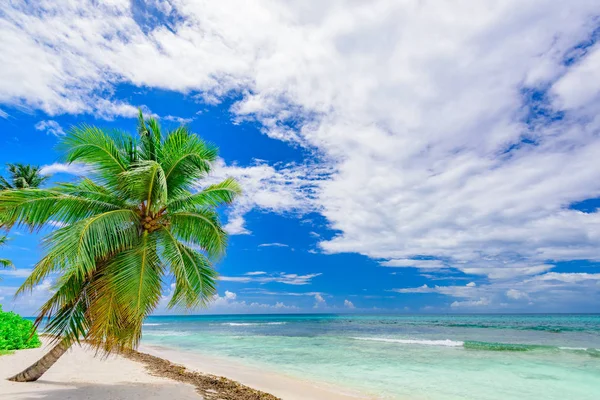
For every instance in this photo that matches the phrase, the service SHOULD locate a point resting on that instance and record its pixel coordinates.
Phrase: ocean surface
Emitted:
(484, 357)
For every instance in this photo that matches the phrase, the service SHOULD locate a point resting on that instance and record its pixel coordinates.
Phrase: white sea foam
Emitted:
(579, 348)
(167, 333)
(149, 324)
(252, 323)
(446, 343)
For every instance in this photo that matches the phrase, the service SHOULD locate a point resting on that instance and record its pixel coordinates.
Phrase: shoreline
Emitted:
(153, 373)
(207, 385)
(275, 383)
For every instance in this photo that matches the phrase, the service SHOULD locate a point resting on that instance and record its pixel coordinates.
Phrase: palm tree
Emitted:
(3, 261)
(127, 228)
(22, 176)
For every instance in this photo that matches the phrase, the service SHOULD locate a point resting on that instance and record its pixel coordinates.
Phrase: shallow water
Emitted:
(417, 357)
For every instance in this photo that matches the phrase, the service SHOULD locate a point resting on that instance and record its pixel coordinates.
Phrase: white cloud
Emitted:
(348, 304)
(421, 264)
(230, 295)
(16, 273)
(228, 303)
(471, 284)
(566, 277)
(319, 301)
(516, 294)
(179, 120)
(27, 304)
(253, 273)
(50, 127)
(3, 114)
(282, 277)
(72, 169)
(271, 188)
(419, 136)
(273, 245)
(471, 303)
(420, 289)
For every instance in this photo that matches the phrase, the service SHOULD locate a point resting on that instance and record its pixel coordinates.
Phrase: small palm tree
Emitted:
(22, 176)
(134, 222)
(3, 261)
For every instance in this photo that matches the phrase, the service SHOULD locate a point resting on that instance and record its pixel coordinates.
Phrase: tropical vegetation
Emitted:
(22, 176)
(16, 333)
(135, 223)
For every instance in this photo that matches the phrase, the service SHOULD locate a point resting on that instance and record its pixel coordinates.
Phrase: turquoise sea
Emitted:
(484, 357)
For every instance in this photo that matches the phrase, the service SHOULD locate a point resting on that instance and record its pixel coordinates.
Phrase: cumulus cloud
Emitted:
(449, 139)
(50, 127)
(283, 188)
(319, 301)
(348, 304)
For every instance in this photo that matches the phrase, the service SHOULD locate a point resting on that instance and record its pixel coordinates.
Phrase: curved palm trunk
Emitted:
(39, 368)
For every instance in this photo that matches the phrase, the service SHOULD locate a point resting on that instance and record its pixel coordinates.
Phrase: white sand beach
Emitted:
(80, 374)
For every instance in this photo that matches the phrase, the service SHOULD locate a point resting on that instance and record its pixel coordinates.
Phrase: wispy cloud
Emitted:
(50, 127)
(273, 245)
(288, 279)
(16, 273)
(72, 169)
(179, 120)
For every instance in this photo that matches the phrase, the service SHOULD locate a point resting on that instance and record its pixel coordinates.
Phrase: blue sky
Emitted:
(412, 157)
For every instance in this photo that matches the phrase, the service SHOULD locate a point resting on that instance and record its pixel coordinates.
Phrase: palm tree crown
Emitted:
(22, 176)
(134, 223)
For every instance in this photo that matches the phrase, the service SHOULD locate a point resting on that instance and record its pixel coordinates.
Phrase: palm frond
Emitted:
(65, 310)
(36, 207)
(96, 147)
(90, 190)
(202, 228)
(79, 245)
(195, 278)
(4, 263)
(185, 159)
(212, 196)
(136, 282)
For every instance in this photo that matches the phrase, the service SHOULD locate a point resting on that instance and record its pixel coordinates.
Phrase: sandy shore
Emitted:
(280, 385)
(80, 374)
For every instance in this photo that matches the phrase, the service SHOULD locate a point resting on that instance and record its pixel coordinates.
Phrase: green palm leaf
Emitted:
(185, 158)
(100, 150)
(201, 228)
(213, 196)
(37, 207)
